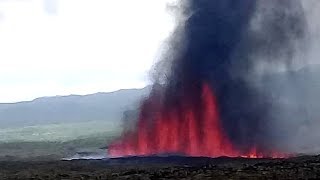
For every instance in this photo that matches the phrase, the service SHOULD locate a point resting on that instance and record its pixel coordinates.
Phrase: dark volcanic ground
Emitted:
(174, 167)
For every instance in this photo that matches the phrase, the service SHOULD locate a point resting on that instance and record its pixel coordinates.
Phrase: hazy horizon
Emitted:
(74, 94)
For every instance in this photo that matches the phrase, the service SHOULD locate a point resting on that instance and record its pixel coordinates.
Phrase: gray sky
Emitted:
(61, 47)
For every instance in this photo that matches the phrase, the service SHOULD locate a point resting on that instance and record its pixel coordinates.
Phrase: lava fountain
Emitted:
(185, 128)
(204, 101)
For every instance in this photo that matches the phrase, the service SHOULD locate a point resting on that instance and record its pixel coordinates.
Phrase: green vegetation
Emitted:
(56, 141)
(59, 132)
(61, 126)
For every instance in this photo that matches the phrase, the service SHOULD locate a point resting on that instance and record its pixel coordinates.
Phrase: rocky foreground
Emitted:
(304, 167)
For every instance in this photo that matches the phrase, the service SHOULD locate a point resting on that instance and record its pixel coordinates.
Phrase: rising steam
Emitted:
(214, 91)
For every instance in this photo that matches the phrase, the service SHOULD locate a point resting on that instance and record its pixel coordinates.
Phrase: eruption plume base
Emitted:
(188, 129)
(214, 101)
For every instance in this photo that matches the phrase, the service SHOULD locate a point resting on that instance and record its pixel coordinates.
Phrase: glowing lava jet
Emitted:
(204, 102)
(183, 129)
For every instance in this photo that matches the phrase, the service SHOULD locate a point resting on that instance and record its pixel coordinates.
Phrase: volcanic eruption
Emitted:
(206, 99)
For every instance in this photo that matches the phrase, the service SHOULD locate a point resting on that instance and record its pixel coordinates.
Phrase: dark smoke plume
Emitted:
(231, 45)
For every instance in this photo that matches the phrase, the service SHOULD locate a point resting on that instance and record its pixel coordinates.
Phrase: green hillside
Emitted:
(56, 141)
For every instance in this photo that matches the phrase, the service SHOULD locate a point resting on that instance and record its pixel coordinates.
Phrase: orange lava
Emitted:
(183, 129)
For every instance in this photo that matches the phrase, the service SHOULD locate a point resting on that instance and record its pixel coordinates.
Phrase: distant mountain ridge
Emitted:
(290, 89)
(73, 108)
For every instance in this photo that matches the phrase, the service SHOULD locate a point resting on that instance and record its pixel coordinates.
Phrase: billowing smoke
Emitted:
(297, 115)
(228, 78)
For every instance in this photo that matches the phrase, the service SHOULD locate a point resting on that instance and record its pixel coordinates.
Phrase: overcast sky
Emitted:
(61, 47)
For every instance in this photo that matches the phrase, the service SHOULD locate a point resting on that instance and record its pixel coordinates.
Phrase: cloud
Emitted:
(119, 38)
(51, 7)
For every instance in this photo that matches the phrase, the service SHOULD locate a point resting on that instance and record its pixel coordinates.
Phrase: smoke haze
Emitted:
(297, 114)
(239, 49)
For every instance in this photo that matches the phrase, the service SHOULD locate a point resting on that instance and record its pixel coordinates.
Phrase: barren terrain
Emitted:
(175, 167)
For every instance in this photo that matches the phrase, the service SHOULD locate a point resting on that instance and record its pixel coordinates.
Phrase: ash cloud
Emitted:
(256, 56)
(250, 53)
(297, 115)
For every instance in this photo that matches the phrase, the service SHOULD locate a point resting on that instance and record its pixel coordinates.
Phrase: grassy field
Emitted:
(56, 141)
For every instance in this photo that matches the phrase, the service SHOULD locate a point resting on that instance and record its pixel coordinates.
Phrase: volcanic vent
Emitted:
(206, 102)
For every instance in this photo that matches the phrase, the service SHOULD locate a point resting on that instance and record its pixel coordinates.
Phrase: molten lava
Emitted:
(186, 128)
